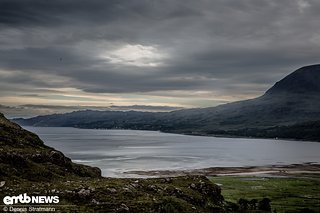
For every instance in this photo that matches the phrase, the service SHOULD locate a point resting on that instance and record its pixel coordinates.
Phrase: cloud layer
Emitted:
(176, 53)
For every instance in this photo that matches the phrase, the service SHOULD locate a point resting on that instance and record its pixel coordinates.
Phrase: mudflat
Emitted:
(275, 170)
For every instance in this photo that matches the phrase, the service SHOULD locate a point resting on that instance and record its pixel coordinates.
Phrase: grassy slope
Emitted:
(286, 194)
(24, 155)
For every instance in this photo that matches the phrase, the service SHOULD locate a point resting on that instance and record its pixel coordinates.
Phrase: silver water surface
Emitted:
(118, 151)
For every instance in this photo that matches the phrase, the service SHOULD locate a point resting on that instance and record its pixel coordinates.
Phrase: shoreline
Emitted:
(268, 170)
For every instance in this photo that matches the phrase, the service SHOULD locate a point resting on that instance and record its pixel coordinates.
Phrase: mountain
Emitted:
(295, 100)
(291, 102)
(303, 81)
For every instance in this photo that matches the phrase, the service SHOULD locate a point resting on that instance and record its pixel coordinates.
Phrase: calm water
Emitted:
(116, 151)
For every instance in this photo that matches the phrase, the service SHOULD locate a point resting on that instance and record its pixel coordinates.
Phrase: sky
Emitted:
(154, 55)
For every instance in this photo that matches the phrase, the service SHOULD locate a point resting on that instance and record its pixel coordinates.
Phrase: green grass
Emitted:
(286, 194)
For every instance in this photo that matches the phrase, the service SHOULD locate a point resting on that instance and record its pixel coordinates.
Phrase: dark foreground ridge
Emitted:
(24, 155)
(29, 166)
(290, 110)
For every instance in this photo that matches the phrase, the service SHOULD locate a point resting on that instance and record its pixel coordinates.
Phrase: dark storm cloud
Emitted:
(41, 13)
(222, 45)
(18, 12)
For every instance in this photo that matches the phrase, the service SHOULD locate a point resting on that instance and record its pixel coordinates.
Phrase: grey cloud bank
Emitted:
(229, 50)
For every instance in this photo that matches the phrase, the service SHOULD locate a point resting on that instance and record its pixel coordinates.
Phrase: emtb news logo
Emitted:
(25, 199)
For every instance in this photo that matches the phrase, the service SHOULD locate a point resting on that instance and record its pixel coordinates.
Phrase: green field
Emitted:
(286, 194)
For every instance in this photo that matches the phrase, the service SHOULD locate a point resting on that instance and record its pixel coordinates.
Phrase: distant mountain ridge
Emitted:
(291, 102)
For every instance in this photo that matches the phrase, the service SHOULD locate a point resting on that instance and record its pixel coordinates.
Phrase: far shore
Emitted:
(269, 170)
(191, 134)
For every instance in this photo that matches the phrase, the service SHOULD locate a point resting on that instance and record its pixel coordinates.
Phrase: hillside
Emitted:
(27, 165)
(292, 101)
(303, 81)
(24, 155)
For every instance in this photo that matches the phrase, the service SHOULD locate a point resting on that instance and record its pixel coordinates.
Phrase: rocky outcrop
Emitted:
(24, 155)
(175, 194)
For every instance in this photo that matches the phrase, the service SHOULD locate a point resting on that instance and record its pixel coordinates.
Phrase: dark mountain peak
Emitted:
(305, 80)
